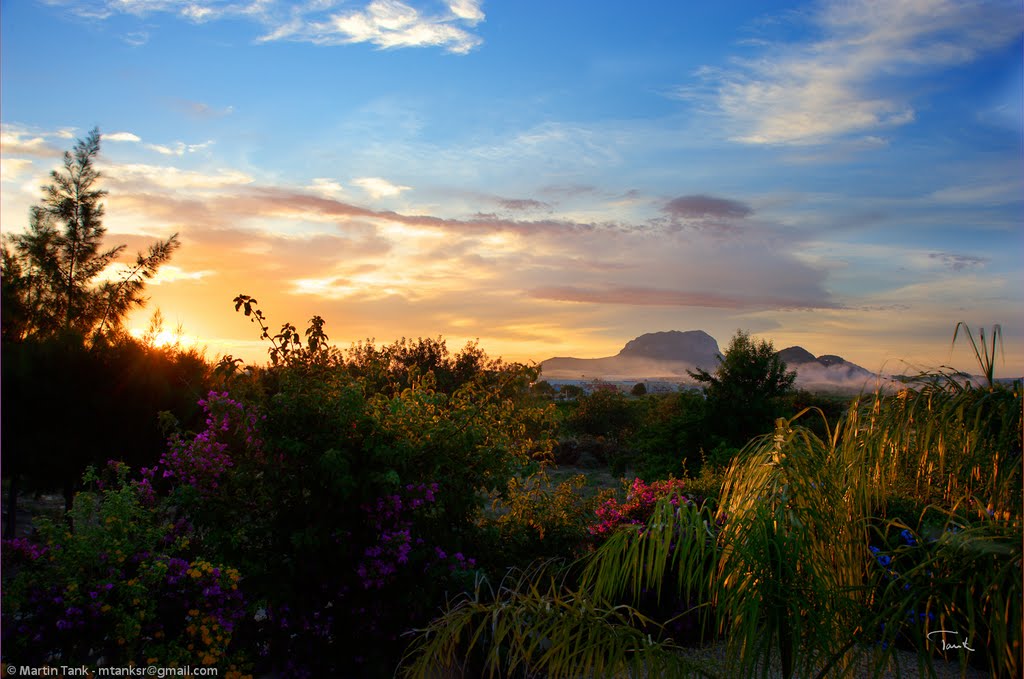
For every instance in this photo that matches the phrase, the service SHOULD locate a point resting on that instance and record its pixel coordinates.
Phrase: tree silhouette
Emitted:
(745, 393)
(49, 272)
(60, 322)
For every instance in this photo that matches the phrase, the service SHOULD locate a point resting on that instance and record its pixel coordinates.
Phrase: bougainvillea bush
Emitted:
(120, 583)
(348, 497)
(322, 509)
(638, 505)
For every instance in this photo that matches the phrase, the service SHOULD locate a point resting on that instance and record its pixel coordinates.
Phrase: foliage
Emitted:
(531, 623)
(543, 389)
(398, 366)
(602, 422)
(985, 355)
(366, 482)
(363, 478)
(106, 397)
(125, 587)
(49, 271)
(941, 585)
(571, 391)
(668, 439)
(939, 440)
(638, 505)
(745, 393)
(792, 565)
(535, 519)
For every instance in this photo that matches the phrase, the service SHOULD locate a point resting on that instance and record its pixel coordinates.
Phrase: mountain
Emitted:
(825, 371)
(692, 346)
(654, 355)
(669, 355)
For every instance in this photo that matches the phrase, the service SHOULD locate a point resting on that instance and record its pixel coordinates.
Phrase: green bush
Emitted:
(123, 584)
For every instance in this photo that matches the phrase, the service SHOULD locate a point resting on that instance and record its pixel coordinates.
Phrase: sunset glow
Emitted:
(553, 179)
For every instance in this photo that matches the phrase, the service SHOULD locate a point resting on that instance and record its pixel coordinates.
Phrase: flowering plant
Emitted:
(120, 586)
(638, 505)
(201, 460)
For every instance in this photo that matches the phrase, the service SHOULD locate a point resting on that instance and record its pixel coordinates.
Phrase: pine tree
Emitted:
(49, 272)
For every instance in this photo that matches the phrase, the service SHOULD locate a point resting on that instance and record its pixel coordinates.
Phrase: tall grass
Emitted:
(783, 570)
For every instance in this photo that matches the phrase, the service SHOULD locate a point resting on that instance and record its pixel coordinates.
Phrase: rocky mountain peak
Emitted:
(694, 346)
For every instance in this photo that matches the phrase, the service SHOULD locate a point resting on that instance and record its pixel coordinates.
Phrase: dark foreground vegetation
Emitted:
(403, 509)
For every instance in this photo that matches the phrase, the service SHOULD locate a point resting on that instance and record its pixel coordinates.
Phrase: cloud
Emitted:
(136, 174)
(987, 193)
(468, 10)
(376, 187)
(329, 188)
(848, 80)
(388, 24)
(956, 262)
(177, 149)
(16, 140)
(641, 296)
(707, 207)
(167, 274)
(136, 38)
(201, 110)
(121, 136)
(522, 204)
(384, 23)
(12, 169)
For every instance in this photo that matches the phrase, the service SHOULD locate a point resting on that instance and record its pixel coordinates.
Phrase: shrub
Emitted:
(535, 519)
(668, 438)
(638, 505)
(364, 479)
(125, 586)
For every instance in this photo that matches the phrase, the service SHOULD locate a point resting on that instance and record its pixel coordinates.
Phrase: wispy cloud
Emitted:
(384, 23)
(16, 141)
(121, 136)
(389, 24)
(376, 187)
(201, 110)
(12, 169)
(523, 204)
(128, 175)
(958, 262)
(847, 81)
(704, 207)
(641, 296)
(176, 149)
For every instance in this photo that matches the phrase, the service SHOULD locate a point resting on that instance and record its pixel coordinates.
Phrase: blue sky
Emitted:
(551, 178)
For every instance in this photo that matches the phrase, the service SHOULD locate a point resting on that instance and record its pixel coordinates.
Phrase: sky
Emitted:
(549, 178)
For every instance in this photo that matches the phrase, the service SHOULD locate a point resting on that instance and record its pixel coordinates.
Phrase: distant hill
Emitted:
(825, 371)
(670, 355)
(665, 355)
